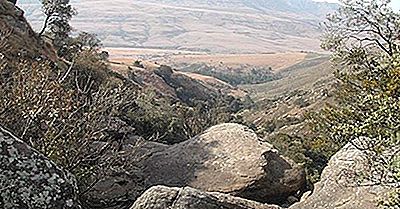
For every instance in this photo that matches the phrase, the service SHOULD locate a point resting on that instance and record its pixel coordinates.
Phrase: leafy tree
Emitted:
(56, 26)
(363, 37)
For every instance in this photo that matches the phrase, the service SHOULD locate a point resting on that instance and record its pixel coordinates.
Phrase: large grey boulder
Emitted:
(338, 189)
(30, 180)
(227, 158)
(161, 197)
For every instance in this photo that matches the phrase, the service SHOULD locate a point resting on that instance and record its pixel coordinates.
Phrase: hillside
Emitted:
(217, 26)
(199, 105)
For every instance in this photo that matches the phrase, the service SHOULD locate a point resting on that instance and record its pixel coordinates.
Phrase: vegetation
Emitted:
(363, 37)
(160, 119)
(236, 76)
(56, 26)
(62, 111)
(77, 112)
(312, 154)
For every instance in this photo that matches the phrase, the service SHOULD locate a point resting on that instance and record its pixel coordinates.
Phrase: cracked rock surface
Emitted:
(30, 180)
(227, 158)
(337, 188)
(161, 197)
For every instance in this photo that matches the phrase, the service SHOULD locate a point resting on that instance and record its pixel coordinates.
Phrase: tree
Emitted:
(363, 36)
(56, 24)
(368, 26)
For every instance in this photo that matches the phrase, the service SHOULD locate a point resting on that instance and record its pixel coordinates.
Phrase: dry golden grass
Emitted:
(277, 61)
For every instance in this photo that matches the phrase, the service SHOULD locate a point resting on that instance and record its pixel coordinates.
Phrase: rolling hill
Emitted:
(215, 26)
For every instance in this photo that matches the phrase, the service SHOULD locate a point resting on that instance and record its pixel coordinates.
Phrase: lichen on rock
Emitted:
(30, 180)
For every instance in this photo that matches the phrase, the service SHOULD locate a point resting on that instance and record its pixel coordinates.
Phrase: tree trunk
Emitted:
(13, 1)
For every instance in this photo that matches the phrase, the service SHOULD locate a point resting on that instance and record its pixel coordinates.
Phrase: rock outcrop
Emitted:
(337, 188)
(17, 38)
(13, 1)
(227, 158)
(30, 180)
(121, 188)
(161, 197)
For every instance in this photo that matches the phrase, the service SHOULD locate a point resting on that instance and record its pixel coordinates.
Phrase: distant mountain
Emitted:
(297, 6)
(218, 26)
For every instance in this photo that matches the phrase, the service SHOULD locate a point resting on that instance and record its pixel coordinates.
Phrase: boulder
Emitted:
(227, 158)
(338, 189)
(30, 180)
(161, 197)
(119, 189)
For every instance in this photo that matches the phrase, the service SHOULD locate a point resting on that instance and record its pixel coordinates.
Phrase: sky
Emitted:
(395, 3)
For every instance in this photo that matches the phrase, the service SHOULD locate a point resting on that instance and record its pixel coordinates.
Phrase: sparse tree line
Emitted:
(235, 76)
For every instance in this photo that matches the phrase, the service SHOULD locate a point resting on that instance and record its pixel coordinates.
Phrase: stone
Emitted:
(161, 197)
(227, 158)
(29, 180)
(120, 189)
(338, 189)
(13, 1)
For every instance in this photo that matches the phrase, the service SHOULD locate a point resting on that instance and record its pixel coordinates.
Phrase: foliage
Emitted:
(78, 113)
(159, 119)
(363, 36)
(58, 14)
(64, 111)
(236, 76)
(392, 200)
(312, 153)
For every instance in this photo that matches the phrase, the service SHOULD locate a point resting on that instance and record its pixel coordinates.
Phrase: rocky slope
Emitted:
(171, 83)
(17, 36)
(336, 190)
(227, 158)
(224, 163)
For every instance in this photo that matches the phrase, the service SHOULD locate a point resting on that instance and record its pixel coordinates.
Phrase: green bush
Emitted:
(236, 76)
(363, 36)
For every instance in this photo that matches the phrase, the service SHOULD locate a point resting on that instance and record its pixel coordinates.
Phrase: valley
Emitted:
(190, 104)
(215, 26)
(300, 81)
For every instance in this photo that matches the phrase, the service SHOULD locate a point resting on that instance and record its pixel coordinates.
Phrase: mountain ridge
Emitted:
(214, 26)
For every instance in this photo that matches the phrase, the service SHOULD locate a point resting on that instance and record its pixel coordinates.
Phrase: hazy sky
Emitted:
(395, 3)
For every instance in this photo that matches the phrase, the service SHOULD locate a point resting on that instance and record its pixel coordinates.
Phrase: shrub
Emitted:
(363, 36)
